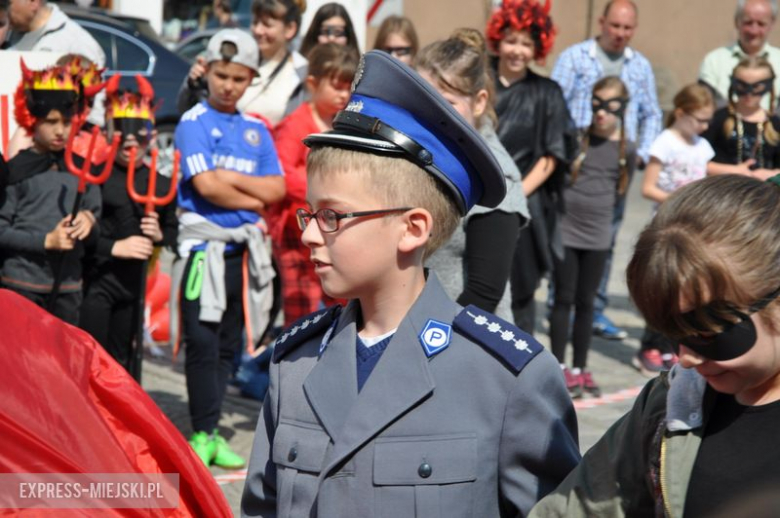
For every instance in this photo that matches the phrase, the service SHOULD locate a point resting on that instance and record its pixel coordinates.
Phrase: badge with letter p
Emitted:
(435, 337)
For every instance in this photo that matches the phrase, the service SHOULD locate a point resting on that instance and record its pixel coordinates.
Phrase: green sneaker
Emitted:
(224, 457)
(204, 447)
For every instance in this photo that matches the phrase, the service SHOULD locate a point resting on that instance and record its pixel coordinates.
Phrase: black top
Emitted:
(726, 148)
(533, 121)
(3, 175)
(122, 218)
(738, 455)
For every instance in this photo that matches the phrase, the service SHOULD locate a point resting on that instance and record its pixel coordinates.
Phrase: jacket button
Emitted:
(425, 470)
(293, 454)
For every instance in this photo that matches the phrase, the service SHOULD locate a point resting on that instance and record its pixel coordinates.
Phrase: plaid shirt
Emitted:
(577, 70)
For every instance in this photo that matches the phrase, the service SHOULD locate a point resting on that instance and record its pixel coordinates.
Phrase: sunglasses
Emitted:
(328, 219)
(614, 105)
(759, 88)
(333, 32)
(398, 51)
(736, 338)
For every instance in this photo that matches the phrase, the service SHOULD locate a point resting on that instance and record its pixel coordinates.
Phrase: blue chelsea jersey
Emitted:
(209, 140)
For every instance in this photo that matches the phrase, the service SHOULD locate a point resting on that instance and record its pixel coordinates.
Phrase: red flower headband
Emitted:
(523, 15)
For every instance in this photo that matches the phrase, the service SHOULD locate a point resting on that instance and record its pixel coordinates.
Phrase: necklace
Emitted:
(758, 148)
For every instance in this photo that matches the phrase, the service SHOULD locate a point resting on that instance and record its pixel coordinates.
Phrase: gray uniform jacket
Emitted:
(474, 429)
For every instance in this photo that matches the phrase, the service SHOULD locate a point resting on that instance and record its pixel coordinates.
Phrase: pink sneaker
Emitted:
(573, 383)
(649, 362)
(589, 385)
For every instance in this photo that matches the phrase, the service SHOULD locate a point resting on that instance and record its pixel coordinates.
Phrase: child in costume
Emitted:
(599, 179)
(701, 439)
(403, 403)
(36, 230)
(745, 135)
(127, 236)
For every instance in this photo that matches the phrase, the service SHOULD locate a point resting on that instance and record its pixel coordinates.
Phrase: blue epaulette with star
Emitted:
(303, 329)
(514, 347)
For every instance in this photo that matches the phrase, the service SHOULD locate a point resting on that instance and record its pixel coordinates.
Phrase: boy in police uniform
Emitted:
(403, 403)
(230, 173)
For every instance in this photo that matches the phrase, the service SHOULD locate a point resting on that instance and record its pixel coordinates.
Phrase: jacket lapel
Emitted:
(331, 386)
(400, 380)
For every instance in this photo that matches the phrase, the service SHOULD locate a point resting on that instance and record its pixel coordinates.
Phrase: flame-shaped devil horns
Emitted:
(112, 85)
(27, 74)
(144, 87)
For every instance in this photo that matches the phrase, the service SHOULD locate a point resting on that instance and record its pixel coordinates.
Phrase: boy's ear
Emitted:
(419, 225)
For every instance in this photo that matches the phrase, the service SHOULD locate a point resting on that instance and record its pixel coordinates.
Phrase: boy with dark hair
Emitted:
(127, 235)
(403, 403)
(36, 230)
(230, 174)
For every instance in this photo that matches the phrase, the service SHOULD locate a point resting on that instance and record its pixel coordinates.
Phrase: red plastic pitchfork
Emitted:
(150, 200)
(85, 176)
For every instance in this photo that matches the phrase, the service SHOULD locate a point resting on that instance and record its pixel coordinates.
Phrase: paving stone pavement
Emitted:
(610, 362)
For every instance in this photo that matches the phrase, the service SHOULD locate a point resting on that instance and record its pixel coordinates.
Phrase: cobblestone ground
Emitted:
(610, 362)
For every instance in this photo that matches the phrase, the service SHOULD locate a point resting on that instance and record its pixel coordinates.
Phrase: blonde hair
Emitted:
(611, 82)
(692, 97)
(752, 63)
(397, 182)
(460, 64)
(715, 242)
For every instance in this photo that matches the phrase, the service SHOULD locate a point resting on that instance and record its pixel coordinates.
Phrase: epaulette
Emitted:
(512, 346)
(303, 329)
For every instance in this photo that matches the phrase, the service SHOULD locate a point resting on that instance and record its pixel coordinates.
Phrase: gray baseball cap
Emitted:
(246, 53)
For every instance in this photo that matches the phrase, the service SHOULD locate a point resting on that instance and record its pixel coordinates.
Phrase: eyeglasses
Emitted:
(333, 32)
(398, 51)
(735, 339)
(328, 219)
(697, 119)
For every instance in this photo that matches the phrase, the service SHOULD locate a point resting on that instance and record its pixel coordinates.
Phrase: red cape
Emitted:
(68, 407)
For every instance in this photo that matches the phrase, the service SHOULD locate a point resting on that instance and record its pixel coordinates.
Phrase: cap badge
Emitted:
(359, 73)
(355, 106)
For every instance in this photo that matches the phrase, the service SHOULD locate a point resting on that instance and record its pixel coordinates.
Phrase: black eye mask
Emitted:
(41, 102)
(135, 126)
(614, 105)
(760, 88)
(736, 339)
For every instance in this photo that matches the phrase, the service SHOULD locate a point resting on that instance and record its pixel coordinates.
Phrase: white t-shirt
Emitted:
(269, 96)
(683, 162)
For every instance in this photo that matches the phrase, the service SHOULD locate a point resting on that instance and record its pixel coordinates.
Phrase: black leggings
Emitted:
(111, 316)
(490, 247)
(576, 282)
(211, 347)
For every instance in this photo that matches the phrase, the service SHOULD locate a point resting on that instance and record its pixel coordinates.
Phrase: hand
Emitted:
(198, 69)
(133, 247)
(744, 167)
(763, 174)
(82, 225)
(150, 227)
(59, 238)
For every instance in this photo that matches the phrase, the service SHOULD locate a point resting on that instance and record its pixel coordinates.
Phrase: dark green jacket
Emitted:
(642, 465)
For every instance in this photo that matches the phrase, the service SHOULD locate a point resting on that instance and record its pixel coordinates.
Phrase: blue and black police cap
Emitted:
(394, 112)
